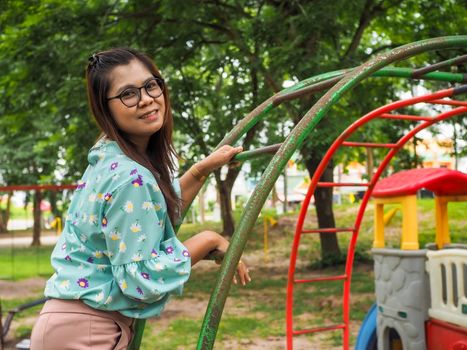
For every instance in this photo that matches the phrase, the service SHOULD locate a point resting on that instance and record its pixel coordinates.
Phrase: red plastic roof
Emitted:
(441, 181)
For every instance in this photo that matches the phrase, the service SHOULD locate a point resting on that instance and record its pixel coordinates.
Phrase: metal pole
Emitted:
(279, 161)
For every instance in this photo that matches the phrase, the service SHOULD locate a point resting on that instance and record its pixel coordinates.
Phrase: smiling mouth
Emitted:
(151, 114)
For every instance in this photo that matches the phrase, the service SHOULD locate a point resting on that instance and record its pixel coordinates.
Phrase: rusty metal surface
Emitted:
(306, 91)
(278, 162)
(319, 83)
(248, 155)
(451, 62)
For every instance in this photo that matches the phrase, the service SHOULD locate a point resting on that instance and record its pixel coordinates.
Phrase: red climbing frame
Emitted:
(382, 112)
(36, 188)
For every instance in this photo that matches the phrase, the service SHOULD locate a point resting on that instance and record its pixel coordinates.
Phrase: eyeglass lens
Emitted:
(131, 96)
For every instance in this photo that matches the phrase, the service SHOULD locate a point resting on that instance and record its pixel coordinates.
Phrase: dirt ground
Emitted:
(186, 307)
(25, 289)
(181, 307)
(193, 308)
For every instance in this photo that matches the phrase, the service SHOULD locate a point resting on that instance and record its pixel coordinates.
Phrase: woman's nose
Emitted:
(145, 98)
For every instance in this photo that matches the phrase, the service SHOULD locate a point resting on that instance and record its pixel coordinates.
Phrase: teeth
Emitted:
(150, 113)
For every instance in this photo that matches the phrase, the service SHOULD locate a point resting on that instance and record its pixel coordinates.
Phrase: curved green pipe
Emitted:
(284, 95)
(278, 162)
(309, 85)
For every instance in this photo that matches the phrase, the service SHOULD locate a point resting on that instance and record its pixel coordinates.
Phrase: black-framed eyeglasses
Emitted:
(130, 97)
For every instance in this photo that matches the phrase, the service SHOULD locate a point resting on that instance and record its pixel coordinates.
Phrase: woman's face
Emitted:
(147, 116)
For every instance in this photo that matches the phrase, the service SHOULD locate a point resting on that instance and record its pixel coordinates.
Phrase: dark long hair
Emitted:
(160, 153)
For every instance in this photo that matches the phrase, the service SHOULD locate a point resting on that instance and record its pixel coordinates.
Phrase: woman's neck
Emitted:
(141, 144)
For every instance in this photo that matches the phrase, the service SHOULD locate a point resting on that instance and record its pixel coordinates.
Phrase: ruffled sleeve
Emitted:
(148, 261)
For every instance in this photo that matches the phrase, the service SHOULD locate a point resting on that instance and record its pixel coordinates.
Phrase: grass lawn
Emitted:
(254, 316)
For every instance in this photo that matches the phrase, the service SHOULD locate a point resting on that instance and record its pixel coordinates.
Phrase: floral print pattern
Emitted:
(83, 283)
(117, 229)
(138, 182)
(135, 227)
(128, 207)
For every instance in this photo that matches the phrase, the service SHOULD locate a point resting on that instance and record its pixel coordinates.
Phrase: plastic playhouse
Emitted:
(420, 293)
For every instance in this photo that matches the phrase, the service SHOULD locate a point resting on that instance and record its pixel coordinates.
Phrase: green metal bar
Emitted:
(247, 155)
(319, 83)
(264, 108)
(313, 84)
(293, 142)
(408, 73)
(385, 72)
(436, 66)
(138, 328)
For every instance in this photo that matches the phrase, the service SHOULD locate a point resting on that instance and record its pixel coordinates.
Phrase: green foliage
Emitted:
(220, 60)
(20, 263)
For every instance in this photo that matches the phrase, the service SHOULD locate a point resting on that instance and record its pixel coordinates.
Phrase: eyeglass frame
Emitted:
(159, 81)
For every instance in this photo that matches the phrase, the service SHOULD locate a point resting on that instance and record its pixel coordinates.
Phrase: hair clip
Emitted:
(94, 60)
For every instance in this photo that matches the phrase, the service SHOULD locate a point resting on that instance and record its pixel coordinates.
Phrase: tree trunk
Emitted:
(225, 192)
(274, 197)
(370, 164)
(416, 159)
(53, 204)
(454, 145)
(3, 228)
(37, 215)
(5, 214)
(330, 251)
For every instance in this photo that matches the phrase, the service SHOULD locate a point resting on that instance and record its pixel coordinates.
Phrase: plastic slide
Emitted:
(366, 339)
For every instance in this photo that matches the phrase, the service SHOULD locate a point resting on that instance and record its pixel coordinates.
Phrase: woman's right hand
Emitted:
(218, 158)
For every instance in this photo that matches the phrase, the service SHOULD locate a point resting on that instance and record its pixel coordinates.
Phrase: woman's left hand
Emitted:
(243, 273)
(218, 158)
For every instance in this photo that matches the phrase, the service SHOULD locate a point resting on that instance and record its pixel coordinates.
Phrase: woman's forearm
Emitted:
(190, 187)
(190, 184)
(191, 181)
(201, 244)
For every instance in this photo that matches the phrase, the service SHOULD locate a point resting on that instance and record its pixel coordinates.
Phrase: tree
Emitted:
(220, 59)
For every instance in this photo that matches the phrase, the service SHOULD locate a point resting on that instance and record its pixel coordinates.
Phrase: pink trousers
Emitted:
(72, 325)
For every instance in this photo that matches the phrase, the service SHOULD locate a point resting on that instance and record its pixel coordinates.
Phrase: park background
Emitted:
(220, 59)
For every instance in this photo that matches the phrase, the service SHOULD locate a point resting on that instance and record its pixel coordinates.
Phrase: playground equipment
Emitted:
(402, 287)
(409, 241)
(338, 83)
(447, 185)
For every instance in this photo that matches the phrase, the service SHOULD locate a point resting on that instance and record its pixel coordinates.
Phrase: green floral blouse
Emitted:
(118, 250)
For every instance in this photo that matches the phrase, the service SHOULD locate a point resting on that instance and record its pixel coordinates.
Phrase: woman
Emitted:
(118, 257)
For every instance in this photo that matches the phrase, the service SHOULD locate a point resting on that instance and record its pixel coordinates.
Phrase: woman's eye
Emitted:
(129, 93)
(152, 85)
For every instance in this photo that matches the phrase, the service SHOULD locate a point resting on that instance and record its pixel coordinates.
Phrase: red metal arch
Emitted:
(36, 188)
(382, 112)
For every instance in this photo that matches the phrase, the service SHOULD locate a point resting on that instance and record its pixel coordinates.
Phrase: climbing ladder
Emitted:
(336, 83)
(341, 142)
